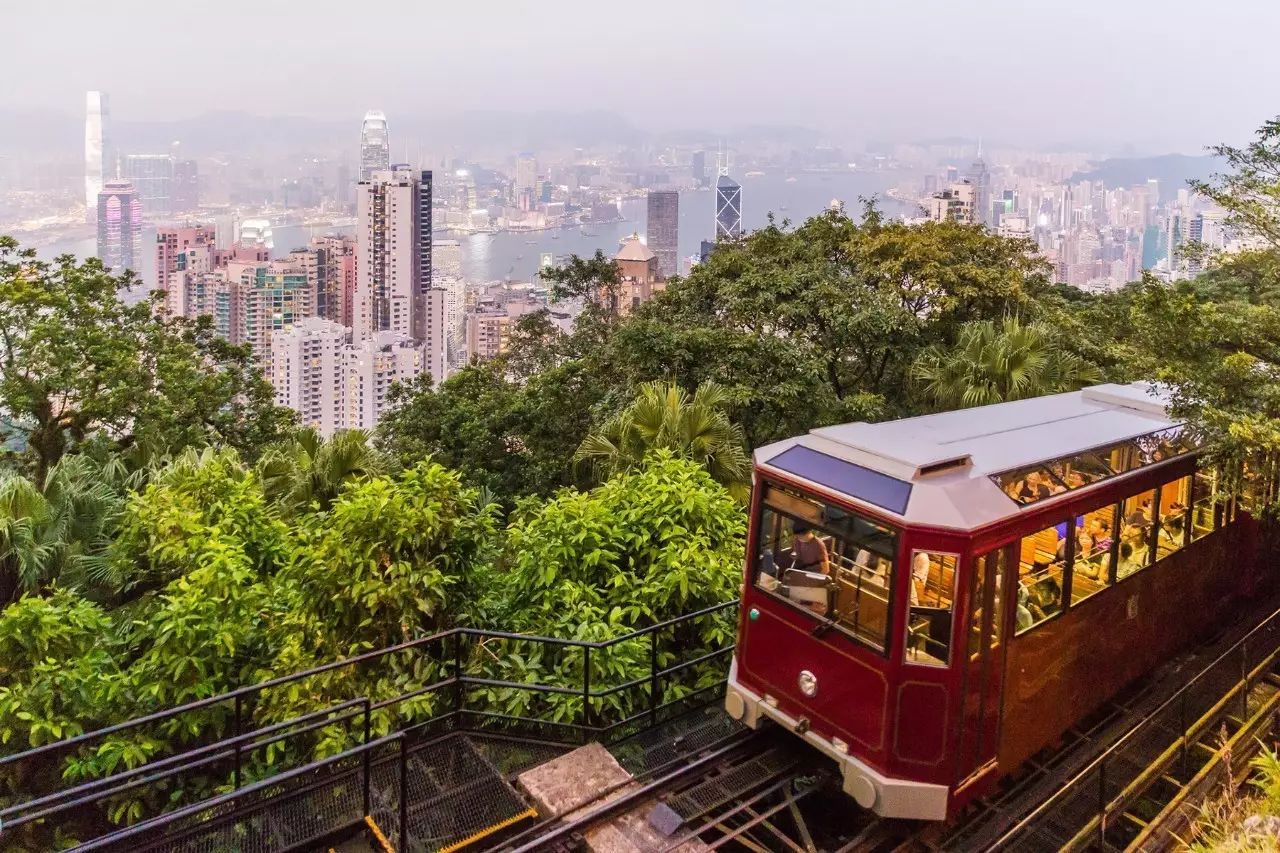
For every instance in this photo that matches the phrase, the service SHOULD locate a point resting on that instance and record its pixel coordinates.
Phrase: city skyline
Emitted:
(861, 72)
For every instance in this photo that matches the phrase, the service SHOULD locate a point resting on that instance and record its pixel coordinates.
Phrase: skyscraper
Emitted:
(663, 230)
(526, 179)
(698, 168)
(186, 186)
(119, 226)
(728, 209)
(375, 144)
(393, 254)
(152, 175)
(980, 177)
(99, 163)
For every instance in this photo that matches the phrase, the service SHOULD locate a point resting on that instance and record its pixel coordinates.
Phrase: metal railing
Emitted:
(470, 663)
(1082, 811)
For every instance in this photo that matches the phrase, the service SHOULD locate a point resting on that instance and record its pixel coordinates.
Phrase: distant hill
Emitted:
(1171, 170)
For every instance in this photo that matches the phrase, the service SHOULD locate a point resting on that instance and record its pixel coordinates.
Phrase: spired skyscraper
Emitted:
(663, 230)
(375, 144)
(119, 226)
(99, 165)
(728, 209)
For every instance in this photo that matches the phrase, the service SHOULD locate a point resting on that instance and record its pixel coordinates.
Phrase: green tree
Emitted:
(995, 363)
(59, 533)
(663, 416)
(76, 361)
(307, 470)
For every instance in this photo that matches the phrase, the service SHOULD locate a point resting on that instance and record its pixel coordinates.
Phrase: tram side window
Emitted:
(835, 564)
(1137, 529)
(933, 585)
(1171, 513)
(1041, 560)
(1091, 565)
(1205, 506)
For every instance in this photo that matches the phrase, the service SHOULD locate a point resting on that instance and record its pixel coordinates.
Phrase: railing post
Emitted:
(368, 706)
(1102, 803)
(404, 796)
(1182, 722)
(653, 675)
(457, 674)
(1244, 682)
(236, 770)
(586, 687)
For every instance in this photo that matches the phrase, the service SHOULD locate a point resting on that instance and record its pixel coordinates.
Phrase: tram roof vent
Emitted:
(942, 466)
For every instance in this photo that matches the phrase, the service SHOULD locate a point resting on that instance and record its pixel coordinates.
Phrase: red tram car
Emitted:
(931, 601)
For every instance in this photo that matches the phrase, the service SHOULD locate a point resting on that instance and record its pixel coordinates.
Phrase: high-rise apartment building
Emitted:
(152, 174)
(392, 245)
(334, 259)
(375, 144)
(172, 243)
(278, 295)
(372, 367)
(308, 372)
(663, 230)
(99, 160)
(728, 209)
(119, 226)
(487, 333)
(955, 203)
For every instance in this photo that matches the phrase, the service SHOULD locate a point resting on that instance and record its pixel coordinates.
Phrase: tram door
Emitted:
(980, 719)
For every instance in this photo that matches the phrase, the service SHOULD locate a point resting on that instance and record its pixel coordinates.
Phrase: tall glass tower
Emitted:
(728, 208)
(119, 212)
(98, 165)
(663, 227)
(375, 145)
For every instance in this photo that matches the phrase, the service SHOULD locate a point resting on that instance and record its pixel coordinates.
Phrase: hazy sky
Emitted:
(1159, 74)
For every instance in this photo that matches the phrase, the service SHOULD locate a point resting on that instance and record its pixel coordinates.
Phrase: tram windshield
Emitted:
(836, 564)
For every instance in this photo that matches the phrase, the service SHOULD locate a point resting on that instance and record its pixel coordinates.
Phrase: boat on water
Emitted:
(555, 236)
(792, 179)
(755, 174)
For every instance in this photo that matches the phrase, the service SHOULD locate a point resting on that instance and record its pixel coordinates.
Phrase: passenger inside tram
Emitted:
(834, 564)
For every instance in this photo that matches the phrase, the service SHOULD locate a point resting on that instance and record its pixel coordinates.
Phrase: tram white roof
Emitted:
(939, 466)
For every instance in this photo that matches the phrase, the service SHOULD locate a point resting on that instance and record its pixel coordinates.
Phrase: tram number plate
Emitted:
(1131, 608)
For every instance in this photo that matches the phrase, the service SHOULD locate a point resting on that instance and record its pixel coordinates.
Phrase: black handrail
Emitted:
(154, 823)
(587, 724)
(253, 689)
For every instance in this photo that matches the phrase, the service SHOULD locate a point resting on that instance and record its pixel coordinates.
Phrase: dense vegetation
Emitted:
(167, 534)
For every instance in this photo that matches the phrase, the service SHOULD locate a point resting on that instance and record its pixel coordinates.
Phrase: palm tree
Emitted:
(307, 469)
(61, 533)
(664, 416)
(994, 363)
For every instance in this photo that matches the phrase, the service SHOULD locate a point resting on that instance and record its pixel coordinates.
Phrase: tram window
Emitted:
(1137, 531)
(933, 585)
(1204, 505)
(839, 566)
(977, 602)
(1041, 560)
(1171, 517)
(1091, 563)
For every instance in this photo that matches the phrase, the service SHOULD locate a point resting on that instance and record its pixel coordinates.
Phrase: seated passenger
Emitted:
(1128, 563)
(1171, 536)
(1032, 488)
(1100, 530)
(809, 552)
(919, 577)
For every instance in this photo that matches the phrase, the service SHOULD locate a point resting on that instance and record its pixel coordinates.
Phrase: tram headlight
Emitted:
(808, 683)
